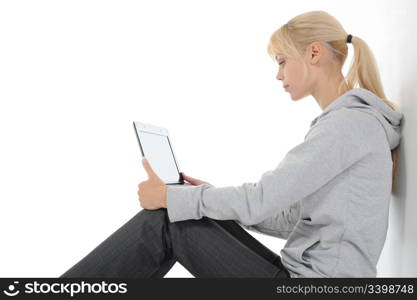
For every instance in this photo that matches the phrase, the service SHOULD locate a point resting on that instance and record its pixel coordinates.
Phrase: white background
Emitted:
(75, 74)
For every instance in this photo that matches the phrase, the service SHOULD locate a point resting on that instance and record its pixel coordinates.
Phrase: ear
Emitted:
(315, 52)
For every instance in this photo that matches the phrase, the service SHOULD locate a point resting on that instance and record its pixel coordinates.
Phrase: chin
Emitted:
(296, 97)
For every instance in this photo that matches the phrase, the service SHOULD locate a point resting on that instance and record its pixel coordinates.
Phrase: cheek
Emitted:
(297, 78)
(298, 85)
(298, 72)
(291, 74)
(291, 77)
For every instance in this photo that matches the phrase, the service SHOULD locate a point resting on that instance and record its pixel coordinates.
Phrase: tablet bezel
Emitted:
(146, 127)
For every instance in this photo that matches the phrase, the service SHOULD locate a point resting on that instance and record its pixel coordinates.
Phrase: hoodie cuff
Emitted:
(183, 202)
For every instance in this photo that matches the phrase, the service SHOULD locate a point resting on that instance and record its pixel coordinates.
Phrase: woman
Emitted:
(329, 196)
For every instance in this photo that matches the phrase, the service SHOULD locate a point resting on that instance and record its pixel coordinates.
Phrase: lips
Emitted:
(285, 86)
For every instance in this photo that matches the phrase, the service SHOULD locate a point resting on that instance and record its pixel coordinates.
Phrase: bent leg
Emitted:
(148, 245)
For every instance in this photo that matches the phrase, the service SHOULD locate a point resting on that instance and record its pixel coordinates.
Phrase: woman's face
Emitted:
(291, 73)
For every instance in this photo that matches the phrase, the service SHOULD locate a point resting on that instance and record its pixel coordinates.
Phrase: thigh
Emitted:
(207, 249)
(248, 240)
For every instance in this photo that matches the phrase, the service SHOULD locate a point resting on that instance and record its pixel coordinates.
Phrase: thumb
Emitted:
(148, 168)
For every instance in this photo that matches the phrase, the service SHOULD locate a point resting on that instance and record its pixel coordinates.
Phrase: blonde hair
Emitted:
(293, 38)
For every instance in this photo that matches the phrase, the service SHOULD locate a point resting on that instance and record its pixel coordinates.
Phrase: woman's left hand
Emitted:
(152, 192)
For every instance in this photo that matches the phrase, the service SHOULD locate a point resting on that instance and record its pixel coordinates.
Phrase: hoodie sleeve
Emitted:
(336, 142)
(279, 225)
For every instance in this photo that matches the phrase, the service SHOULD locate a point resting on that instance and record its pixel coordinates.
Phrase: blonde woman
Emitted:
(329, 197)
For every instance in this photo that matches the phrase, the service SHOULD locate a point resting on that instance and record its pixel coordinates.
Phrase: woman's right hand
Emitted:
(194, 181)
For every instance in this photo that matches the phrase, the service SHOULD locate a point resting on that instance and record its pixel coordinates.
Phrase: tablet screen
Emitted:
(157, 150)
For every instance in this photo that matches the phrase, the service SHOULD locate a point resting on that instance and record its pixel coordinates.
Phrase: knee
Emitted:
(155, 213)
(189, 227)
(152, 217)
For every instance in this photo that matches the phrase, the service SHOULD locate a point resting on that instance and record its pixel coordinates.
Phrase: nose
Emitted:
(279, 76)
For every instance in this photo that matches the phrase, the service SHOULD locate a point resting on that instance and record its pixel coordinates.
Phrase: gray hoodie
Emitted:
(329, 196)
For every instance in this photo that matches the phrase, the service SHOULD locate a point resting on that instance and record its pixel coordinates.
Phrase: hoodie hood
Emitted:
(364, 100)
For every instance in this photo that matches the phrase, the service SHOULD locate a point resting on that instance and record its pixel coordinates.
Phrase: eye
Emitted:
(281, 62)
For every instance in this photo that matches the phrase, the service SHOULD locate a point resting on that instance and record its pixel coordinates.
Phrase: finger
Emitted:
(148, 168)
(188, 177)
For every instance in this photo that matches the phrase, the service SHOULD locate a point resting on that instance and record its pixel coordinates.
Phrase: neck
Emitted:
(326, 90)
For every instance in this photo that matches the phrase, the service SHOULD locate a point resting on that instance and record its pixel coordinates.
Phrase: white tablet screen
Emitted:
(157, 150)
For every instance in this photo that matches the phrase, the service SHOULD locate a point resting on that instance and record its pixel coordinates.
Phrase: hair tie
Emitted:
(349, 39)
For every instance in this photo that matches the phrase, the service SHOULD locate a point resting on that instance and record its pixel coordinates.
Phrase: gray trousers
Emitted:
(148, 245)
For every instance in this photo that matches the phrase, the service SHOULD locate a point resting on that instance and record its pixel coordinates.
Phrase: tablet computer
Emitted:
(155, 144)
